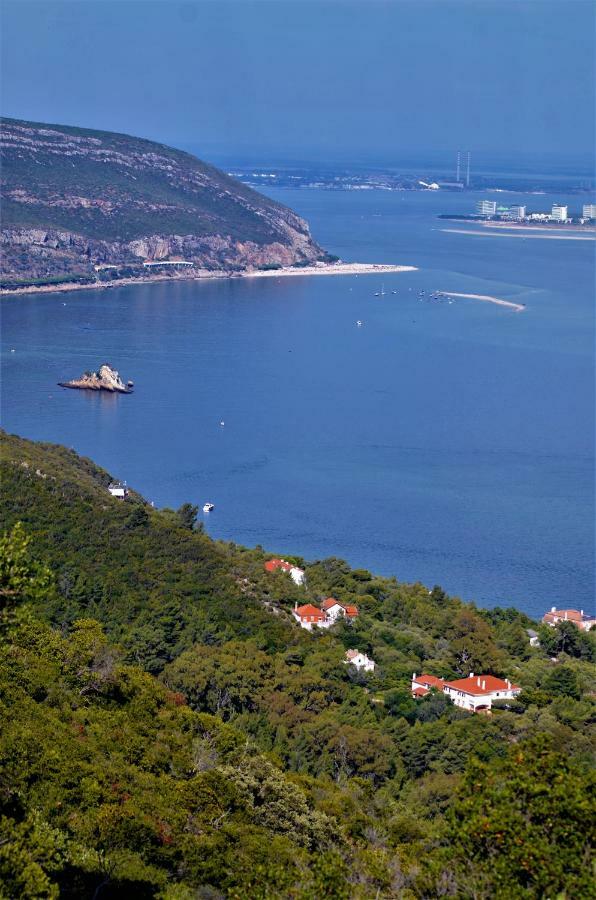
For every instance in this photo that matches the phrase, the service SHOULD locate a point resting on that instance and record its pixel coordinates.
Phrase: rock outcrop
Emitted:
(74, 200)
(106, 379)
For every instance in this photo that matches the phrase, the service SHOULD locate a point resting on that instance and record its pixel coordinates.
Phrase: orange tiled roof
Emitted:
(481, 684)
(309, 610)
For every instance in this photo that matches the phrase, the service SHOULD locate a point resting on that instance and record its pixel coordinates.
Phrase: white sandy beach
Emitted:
(339, 268)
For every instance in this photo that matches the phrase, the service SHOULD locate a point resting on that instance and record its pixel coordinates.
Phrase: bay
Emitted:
(446, 443)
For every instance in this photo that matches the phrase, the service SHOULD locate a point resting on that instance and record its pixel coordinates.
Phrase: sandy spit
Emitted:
(521, 234)
(518, 307)
(202, 274)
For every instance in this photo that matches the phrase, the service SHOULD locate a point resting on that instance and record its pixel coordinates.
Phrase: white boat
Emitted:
(208, 507)
(380, 293)
(359, 323)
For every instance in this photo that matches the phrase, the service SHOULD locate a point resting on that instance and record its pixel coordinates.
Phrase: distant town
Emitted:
(559, 214)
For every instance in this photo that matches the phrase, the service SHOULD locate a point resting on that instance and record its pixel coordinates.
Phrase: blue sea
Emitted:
(441, 443)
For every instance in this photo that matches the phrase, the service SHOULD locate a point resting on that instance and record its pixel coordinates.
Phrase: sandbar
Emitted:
(518, 307)
(520, 234)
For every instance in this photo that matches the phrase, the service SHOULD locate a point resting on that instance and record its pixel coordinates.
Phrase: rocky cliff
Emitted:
(76, 200)
(105, 379)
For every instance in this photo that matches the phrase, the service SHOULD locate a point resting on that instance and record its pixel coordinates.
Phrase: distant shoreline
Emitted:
(203, 274)
(518, 307)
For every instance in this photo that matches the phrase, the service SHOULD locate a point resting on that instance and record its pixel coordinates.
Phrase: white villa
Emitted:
(475, 693)
(360, 660)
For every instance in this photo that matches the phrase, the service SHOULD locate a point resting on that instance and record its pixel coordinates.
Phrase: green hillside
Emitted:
(173, 733)
(74, 197)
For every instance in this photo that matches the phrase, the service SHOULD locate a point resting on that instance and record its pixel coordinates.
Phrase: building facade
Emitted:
(486, 207)
(558, 213)
(589, 211)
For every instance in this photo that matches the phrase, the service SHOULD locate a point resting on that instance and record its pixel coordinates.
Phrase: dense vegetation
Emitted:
(170, 732)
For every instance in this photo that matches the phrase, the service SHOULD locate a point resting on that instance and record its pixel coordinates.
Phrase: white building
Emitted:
(486, 207)
(119, 490)
(558, 213)
(360, 660)
(309, 617)
(297, 575)
(577, 616)
(476, 693)
(515, 212)
(334, 609)
(589, 211)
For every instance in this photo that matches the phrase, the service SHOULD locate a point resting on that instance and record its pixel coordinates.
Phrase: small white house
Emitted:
(297, 575)
(119, 490)
(360, 660)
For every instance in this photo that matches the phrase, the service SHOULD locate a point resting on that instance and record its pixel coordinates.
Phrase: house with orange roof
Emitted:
(475, 693)
(423, 684)
(335, 609)
(577, 616)
(309, 617)
(276, 565)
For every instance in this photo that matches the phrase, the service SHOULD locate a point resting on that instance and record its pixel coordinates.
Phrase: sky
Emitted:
(370, 80)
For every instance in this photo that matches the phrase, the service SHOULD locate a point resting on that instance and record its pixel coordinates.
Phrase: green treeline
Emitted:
(168, 730)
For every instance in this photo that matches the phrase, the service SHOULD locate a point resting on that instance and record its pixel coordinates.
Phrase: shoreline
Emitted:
(518, 307)
(204, 275)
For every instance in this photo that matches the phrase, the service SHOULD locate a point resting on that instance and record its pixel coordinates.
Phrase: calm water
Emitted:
(445, 443)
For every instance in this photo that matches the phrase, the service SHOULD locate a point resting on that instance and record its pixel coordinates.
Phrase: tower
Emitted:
(458, 166)
(468, 170)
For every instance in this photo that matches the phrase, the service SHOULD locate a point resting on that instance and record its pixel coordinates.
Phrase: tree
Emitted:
(563, 681)
(521, 827)
(188, 515)
(21, 578)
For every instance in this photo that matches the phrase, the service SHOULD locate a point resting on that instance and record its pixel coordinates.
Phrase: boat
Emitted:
(208, 507)
(359, 323)
(380, 293)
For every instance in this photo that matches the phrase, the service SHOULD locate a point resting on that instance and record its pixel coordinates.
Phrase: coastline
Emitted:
(518, 307)
(203, 274)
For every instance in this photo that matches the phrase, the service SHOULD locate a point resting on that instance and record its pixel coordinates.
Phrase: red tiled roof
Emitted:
(309, 610)
(351, 610)
(481, 684)
(351, 654)
(273, 564)
(329, 602)
(430, 681)
(420, 692)
(573, 615)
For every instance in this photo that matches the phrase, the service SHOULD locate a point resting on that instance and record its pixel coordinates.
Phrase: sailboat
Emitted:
(380, 293)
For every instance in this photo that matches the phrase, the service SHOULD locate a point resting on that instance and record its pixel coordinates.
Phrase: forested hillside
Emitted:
(171, 732)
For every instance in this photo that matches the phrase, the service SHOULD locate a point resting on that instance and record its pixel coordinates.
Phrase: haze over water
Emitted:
(451, 444)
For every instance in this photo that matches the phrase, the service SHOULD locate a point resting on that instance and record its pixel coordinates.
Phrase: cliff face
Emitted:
(73, 199)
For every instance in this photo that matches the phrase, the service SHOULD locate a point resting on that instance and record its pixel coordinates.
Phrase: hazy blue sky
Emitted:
(352, 79)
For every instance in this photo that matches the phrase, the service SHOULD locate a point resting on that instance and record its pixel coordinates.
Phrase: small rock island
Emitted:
(106, 379)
